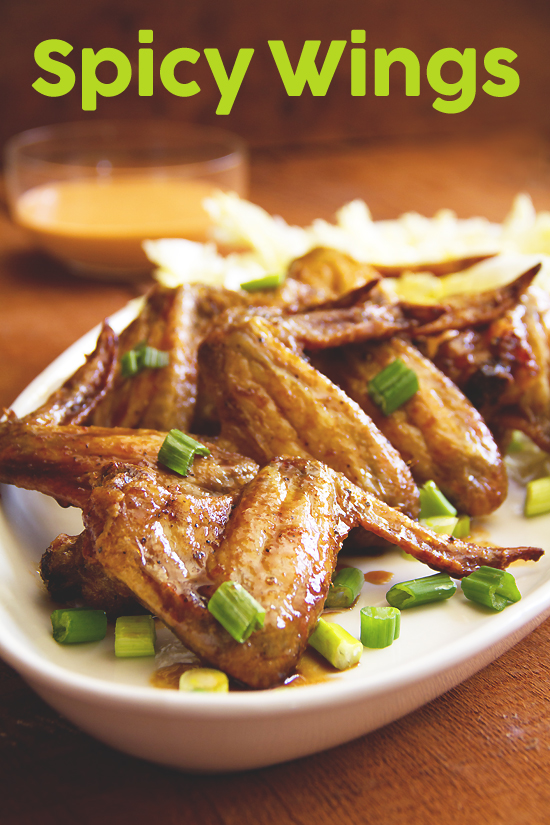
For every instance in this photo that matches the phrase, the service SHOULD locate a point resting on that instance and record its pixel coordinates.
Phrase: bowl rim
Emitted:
(109, 130)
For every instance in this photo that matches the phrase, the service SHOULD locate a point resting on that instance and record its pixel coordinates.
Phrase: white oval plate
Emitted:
(440, 646)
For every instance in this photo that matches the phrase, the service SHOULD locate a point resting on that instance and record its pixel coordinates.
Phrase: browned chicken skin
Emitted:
(271, 402)
(170, 543)
(77, 398)
(438, 432)
(504, 367)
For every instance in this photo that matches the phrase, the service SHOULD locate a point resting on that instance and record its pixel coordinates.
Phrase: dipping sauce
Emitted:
(102, 221)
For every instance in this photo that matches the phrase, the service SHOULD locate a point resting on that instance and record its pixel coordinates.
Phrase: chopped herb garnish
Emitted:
(392, 387)
(338, 646)
(134, 636)
(491, 587)
(421, 591)
(178, 451)
(267, 282)
(74, 625)
(142, 357)
(379, 626)
(433, 502)
(236, 610)
(345, 587)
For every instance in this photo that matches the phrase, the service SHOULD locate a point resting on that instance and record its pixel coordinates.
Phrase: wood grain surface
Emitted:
(478, 754)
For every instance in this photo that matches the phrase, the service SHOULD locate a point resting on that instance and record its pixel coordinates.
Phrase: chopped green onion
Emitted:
(433, 502)
(537, 498)
(393, 386)
(408, 556)
(518, 442)
(379, 626)
(491, 587)
(345, 587)
(142, 357)
(75, 625)
(267, 282)
(236, 610)
(134, 636)
(204, 680)
(338, 646)
(178, 451)
(421, 591)
(153, 359)
(445, 525)
(462, 529)
(458, 528)
(129, 364)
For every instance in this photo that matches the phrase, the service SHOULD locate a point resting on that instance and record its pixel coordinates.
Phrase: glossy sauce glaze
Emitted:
(378, 576)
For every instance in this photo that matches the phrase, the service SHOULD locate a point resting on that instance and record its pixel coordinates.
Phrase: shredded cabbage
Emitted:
(270, 244)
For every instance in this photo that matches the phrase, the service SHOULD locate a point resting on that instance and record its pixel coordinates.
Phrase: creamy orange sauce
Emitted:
(378, 576)
(103, 221)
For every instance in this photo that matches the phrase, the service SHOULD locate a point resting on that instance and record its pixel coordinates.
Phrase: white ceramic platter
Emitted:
(440, 646)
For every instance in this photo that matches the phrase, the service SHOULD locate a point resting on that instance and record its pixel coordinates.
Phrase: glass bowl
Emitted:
(90, 193)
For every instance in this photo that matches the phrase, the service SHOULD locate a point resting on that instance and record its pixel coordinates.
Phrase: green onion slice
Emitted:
(134, 637)
(494, 588)
(178, 451)
(204, 680)
(75, 625)
(142, 357)
(537, 498)
(433, 502)
(236, 610)
(267, 282)
(462, 529)
(129, 364)
(345, 587)
(446, 525)
(393, 386)
(518, 442)
(153, 359)
(421, 591)
(338, 646)
(379, 626)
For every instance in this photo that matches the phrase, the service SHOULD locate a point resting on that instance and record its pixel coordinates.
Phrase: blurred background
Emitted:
(263, 114)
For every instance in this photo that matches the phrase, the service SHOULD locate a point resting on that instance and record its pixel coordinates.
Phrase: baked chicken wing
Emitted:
(437, 432)
(171, 542)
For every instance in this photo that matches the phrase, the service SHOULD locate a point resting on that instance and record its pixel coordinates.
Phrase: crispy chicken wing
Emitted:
(438, 432)
(64, 461)
(72, 575)
(77, 398)
(504, 367)
(271, 402)
(171, 541)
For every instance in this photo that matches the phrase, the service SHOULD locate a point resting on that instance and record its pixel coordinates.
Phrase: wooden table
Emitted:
(478, 754)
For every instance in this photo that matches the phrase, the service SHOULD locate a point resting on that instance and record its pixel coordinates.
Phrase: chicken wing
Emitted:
(171, 541)
(504, 367)
(271, 402)
(77, 398)
(438, 432)
(64, 461)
